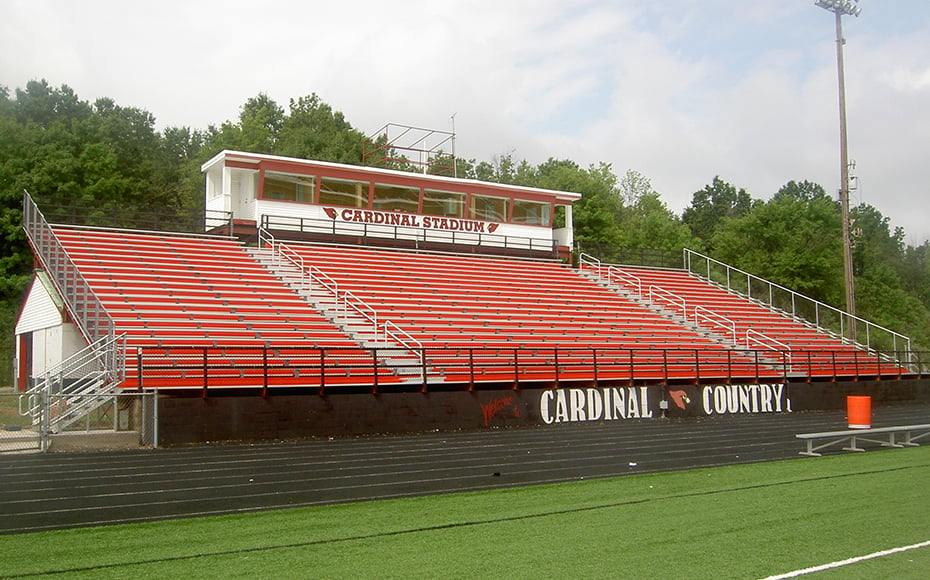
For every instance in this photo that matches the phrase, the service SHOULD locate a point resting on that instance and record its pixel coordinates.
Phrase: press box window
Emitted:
(288, 187)
(345, 192)
(443, 203)
(532, 213)
(396, 198)
(492, 209)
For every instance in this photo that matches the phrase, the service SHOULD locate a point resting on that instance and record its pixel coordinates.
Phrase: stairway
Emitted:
(393, 348)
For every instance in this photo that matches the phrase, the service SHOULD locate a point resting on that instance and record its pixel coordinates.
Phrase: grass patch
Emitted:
(9, 410)
(737, 522)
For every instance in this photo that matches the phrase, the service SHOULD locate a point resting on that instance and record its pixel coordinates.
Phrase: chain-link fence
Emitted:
(125, 421)
(17, 433)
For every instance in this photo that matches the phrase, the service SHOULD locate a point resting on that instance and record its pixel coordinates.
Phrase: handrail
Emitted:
(350, 301)
(398, 334)
(702, 313)
(314, 274)
(101, 364)
(669, 297)
(88, 312)
(398, 232)
(819, 307)
(613, 272)
(770, 343)
(346, 302)
(465, 365)
(590, 261)
(625, 278)
(764, 341)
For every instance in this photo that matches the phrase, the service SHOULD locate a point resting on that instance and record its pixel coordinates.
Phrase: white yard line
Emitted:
(849, 561)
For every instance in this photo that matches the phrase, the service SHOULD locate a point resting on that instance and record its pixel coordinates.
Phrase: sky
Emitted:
(680, 91)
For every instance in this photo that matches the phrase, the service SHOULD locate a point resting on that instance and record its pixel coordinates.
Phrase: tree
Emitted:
(596, 215)
(916, 276)
(633, 185)
(648, 223)
(644, 219)
(99, 164)
(712, 206)
(313, 130)
(874, 242)
(793, 240)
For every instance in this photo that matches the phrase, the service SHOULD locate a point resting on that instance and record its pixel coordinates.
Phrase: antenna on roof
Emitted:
(455, 169)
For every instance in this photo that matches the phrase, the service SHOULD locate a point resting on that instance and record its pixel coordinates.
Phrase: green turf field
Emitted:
(748, 521)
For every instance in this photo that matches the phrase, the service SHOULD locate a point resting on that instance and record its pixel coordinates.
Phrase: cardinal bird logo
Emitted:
(492, 227)
(330, 212)
(680, 398)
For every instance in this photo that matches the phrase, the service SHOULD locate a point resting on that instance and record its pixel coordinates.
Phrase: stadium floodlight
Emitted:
(848, 7)
(842, 8)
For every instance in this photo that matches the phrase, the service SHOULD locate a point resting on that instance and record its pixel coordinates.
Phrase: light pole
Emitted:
(840, 8)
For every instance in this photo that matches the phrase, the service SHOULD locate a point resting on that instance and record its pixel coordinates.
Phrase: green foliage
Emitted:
(96, 164)
(793, 239)
(313, 130)
(646, 222)
(596, 215)
(104, 164)
(916, 275)
(712, 206)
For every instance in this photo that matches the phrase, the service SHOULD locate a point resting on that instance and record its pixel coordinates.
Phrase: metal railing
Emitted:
(713, 319)
(649, 257)
(767, 342)
(657, 295)
(416, 235)
(611, 274)
(76, 386)
(660, 296)
(195, 220)
(592, 263)
(625, 279)
(802, 308)
(331, 369)
(346, 303)
(85, 308)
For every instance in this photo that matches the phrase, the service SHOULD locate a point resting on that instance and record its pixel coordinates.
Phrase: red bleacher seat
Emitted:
(462, 302)
(200, 293)
(813, 351)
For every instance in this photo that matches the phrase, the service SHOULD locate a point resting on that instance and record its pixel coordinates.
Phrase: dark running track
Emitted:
(57, 490)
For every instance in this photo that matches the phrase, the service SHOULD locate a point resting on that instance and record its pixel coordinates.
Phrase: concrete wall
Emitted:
(252, 418)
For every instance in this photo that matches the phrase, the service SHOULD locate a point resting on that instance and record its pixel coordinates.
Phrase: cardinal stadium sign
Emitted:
(409, 220)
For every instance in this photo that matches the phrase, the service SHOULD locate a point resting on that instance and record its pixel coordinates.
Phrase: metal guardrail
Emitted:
(165, 219)
(76, 386)
(757, 338)
(613, 274)
(625, 278)
(659, 295)
(827, 318)
(345, 301)
(307, 225)
(702, 314)
(85, 308)
(331, 369)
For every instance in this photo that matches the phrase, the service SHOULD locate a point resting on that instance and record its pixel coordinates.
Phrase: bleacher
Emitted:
(461, 306)
(193, 301)
(752, 324)
(206, 312)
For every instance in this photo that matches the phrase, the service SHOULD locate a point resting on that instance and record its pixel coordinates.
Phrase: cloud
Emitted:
(680, 91)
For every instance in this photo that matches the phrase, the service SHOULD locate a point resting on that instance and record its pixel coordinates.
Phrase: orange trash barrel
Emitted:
(859, 412)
